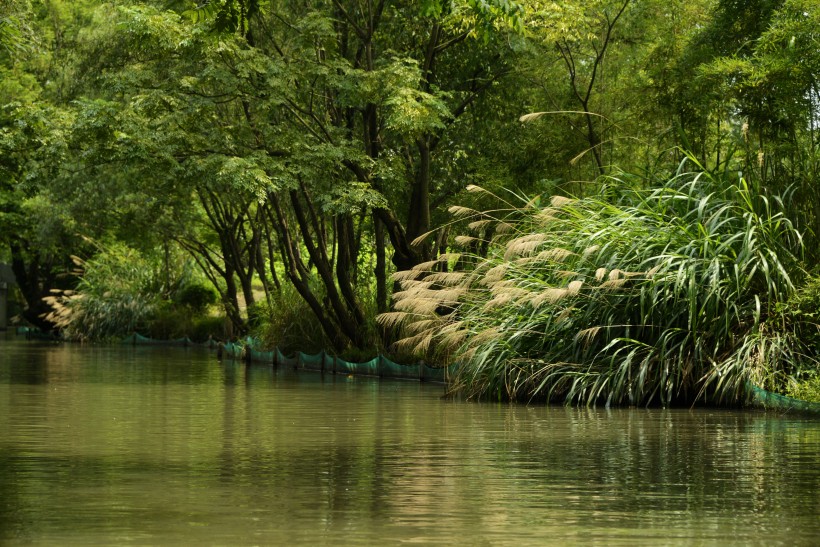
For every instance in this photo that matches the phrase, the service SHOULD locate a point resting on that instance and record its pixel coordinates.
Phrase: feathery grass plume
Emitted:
(555, 255)
(449, 257)
(675, 292)
(406, 275)
(423, 326)
(546, 216)
(551, 295)
(452, 338)
(498, 300)
(479, 224)
(422, 307)
(560, 201)
(467, 240)
(459, 212)
(393, 319)
(523, 245)
(446, 279)
(426, 266)
(495, 274)
(504, 228)
(589, 251)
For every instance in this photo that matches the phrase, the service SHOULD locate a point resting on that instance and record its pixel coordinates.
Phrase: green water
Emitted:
(158, 446)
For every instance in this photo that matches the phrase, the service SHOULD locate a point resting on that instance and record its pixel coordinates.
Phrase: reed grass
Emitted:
(668, 295)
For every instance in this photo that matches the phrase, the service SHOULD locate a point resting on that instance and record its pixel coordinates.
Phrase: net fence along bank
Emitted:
(248, 350)
(381, 366)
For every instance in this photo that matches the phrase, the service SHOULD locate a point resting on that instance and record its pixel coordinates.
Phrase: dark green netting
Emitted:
(234, 351)
(139, 340)
(434, 374)
(251, 349)
(368, 368)
(391, 369)
(780, 403)
(311, 362)
(283, 361)
(261, 356)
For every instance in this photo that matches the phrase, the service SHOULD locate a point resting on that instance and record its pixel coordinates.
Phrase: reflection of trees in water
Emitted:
(114, 427)
(679, 461)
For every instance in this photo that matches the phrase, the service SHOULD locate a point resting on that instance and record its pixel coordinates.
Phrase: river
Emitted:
(166, 446)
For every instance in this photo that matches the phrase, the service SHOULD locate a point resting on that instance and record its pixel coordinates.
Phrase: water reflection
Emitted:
(136, 445)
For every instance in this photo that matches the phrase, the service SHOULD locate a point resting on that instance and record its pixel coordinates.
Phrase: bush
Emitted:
(208, 327)
(196, 297)
(168, 322)
(806, 390)
(171, 321)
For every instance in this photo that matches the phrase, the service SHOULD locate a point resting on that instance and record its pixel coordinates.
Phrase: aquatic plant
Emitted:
(663, 295)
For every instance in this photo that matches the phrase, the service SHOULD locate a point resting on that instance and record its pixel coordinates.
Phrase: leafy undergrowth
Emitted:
(806, 390)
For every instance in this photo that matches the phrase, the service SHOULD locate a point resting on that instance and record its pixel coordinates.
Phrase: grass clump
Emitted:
(115, 296)
(666, 295)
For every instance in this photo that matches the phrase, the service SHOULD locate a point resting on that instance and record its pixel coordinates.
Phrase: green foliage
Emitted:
(281, 137)
(196, 297)
(806, 390)
(170, 321)
(15, 32)
(289, 324)
(662, 295)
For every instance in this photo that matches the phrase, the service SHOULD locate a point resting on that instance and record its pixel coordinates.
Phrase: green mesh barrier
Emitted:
(261, 356)
(137, 339)
(390, 369)
(252, 349)
(368, 368)
(233, 351)
(780, 403)
(434, 374)
(283, 361)
(311, 362)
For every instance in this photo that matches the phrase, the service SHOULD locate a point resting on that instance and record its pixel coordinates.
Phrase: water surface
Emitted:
(124, 445)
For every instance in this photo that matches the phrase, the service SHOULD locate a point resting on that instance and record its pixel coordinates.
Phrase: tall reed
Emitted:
(666, 295)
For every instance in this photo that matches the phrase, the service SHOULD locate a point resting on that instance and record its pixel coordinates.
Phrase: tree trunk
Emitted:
(381, 267)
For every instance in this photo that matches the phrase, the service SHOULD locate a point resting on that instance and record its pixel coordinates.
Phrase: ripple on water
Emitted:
(121, 446)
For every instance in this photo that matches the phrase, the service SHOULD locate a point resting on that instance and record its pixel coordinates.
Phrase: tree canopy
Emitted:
(315, 147)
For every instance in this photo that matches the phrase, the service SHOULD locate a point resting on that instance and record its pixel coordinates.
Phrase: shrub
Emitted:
(806, 390)
(196, 297)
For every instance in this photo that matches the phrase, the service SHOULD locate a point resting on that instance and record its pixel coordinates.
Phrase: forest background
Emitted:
(226, 167)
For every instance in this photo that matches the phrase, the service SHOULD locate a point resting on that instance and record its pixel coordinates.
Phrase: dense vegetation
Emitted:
(636, 216)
